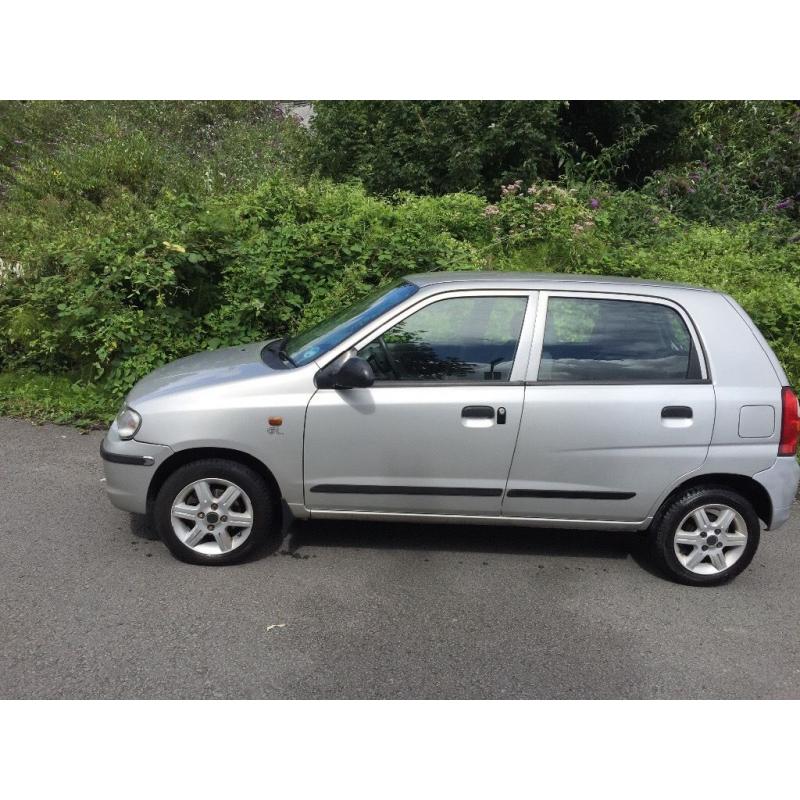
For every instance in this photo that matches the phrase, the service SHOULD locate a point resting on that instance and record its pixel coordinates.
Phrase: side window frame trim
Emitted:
(532, 375)
(521, 356)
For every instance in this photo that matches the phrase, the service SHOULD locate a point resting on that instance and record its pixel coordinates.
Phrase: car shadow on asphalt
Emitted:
(140, 528)
(466, 539)
(483, 539)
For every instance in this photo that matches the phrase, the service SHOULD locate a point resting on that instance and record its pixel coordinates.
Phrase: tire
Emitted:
(701, 550)
(199, 530)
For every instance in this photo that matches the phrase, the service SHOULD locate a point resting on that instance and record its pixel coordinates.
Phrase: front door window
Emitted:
(461, 339)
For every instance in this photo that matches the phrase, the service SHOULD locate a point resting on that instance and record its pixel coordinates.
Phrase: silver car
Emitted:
(558, 401)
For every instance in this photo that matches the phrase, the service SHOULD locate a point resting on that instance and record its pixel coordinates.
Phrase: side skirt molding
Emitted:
(456, 519)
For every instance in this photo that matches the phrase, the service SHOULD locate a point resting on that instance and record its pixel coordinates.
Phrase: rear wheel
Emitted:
(216, 511)
(706, 536)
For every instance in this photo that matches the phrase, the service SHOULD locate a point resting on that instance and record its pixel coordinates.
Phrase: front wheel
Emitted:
(706, 536)
(215, 511)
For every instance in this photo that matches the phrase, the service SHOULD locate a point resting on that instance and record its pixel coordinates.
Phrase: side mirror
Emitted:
(355, 373)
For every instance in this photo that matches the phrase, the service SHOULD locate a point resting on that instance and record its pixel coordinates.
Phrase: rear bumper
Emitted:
(129, 467)
(780, 481)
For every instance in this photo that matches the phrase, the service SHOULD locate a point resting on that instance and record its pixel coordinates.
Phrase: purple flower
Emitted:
(594, 203)
(784, 204)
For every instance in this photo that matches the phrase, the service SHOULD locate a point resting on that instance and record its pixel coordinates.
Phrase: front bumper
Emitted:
(129, 467)
(780, 481)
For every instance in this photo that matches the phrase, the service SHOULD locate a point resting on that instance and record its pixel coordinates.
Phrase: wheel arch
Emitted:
(181, 457)
(748, 487)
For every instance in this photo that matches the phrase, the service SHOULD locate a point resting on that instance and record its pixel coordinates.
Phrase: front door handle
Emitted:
(676, 412)
(477, 412)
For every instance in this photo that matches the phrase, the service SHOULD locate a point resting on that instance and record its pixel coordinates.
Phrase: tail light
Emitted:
(790, 423)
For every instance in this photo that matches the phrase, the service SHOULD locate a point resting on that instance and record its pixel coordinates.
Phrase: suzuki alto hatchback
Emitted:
(539, 400)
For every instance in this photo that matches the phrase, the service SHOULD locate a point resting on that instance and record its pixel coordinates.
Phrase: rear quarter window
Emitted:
(633, 341)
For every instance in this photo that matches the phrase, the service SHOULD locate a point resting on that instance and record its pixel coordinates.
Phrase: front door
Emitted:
(619, 408)
(435, 433)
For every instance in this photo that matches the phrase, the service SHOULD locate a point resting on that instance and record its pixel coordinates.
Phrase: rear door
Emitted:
(435, 434)
(618, 407)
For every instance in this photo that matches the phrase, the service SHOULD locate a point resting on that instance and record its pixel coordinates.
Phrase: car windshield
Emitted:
(308, 344)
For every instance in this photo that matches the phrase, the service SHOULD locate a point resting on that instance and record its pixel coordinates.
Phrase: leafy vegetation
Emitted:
(433, 147)
(134, 233)
(56, 398)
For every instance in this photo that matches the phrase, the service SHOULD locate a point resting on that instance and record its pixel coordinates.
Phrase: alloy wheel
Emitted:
(212, 516)
(710, 539)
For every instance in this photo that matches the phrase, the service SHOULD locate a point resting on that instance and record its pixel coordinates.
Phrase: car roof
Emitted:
(534, 280)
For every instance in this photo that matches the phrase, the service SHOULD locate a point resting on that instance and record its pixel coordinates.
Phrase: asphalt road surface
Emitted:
(91, 606)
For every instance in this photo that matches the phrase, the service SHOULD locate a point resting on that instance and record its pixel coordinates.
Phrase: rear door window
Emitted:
(588, 339)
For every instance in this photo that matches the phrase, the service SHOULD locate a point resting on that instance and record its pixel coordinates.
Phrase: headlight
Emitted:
(128, 422)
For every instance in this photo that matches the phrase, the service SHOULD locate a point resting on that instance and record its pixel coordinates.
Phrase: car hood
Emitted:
(202, 370)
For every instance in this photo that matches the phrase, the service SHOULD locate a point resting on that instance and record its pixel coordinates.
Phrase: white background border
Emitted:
(296, 49)
(464, 49)
(416, 749)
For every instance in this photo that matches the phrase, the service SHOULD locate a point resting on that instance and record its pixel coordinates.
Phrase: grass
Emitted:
(57, 399)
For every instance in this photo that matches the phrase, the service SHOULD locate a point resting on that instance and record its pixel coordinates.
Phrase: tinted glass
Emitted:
(615, 340)
(307, 345)
(459, 339)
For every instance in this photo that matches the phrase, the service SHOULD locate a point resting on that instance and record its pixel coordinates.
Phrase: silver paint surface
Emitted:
(563, 437)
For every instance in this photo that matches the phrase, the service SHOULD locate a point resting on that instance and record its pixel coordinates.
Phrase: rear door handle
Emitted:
(477, 412)
(676, 412)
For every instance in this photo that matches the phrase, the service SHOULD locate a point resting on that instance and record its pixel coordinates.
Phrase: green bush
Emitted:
(209, 144)
(433, 146)
(146, 287)
(743, 163)
(138, 235)
(449, 146)
(113, 301)
(56, 398)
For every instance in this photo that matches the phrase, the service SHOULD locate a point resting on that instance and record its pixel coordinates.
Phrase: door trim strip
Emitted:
(443, 491)
(570, 495)
(464, 491)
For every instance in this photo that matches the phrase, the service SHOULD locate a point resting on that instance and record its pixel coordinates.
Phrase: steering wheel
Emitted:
(389, 360)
